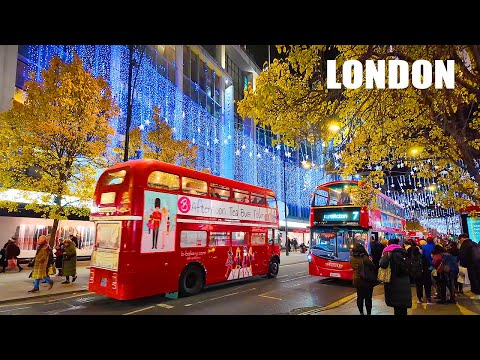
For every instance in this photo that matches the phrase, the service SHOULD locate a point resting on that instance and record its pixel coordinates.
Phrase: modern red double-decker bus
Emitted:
(336, 224)
(162, 228)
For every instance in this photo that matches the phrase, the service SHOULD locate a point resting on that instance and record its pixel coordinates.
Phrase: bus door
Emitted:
(258, 254)
(220, 256)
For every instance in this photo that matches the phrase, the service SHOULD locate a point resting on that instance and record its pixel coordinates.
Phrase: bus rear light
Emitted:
(114, 281)
(92, 276)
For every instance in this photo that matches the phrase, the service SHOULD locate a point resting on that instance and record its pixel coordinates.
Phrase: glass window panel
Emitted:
(258, 239)
(163, 180)
(241, 196)
(190, 239)
(271, 202)
(258, 199)
(219, 239)
(219, 191)
(194, 186)
(239, 238)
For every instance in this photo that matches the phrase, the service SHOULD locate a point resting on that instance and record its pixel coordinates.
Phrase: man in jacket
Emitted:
(468, 259)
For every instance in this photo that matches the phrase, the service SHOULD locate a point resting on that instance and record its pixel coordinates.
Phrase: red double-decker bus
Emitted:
(162, 228)
(336, 224)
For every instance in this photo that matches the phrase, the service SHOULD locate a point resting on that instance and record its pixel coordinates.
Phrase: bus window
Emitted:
(258, 239)
(114, 178)
(190, 238)
(271, 202)
(108, 235)
(240, 196)
(219, 239)
(194, 186)
(258, 199)
(219, 191)
(163, 180)
(239, 238)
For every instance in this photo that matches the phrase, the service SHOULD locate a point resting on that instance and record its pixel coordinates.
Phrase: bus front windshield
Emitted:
(336, 243)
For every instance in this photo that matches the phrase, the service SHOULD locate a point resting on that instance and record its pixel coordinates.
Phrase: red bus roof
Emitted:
(144, 167)
(319, 187)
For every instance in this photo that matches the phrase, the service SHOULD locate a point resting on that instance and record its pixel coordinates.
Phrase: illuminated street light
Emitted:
(432, 188)
(334, 127)
(415, 150)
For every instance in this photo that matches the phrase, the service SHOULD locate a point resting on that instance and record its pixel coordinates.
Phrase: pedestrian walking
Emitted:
(469, 257)
(41, 263)
(364, 277)
(398, 293)
(376, 249)
(11, 253)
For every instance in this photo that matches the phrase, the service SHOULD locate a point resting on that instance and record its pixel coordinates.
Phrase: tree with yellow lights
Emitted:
(55, 142)
(434, 132)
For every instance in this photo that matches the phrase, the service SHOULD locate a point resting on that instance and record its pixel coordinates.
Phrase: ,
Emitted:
(397, 76)
(336, 225)
(162, 228)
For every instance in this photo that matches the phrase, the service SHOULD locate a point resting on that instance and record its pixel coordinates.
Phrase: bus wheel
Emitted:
(191, 281)
(273, 269)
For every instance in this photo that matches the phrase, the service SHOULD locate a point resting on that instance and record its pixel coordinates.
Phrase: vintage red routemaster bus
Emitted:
(162, 228)
(336, 224)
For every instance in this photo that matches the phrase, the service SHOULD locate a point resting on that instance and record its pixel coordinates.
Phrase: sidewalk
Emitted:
(348, 305)
(14, 285)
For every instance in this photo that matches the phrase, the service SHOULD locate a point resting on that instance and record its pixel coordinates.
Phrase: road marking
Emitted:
(27, 303)
(300, 272)
(139, 310)
(269, 297)
(220, 297)
(298, 263)
(465, 311)
(278, 277)
(300, 277)
(65, 298)
(55, 312)
(166, 306)
(331, 305)
(26, 307)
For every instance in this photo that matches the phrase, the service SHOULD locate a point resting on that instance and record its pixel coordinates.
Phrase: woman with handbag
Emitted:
(398, 292)
(364, 277)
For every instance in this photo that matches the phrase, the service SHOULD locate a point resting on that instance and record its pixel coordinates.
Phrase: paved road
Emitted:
(292, 292)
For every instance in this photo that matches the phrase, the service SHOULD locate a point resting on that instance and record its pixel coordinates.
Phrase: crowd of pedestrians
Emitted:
(45, 263)
(437, 267)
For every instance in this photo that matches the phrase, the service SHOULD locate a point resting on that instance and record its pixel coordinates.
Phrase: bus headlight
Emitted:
(309, 258)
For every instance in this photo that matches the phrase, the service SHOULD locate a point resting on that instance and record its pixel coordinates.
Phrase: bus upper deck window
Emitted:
(271, 202)
(163, 180)
(194, 186)
(241, 196)
(114, 178)
(219, 191)
(258, 199)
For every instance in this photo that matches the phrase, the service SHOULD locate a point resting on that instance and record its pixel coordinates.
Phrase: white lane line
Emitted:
(27, 303)
(65, 298)
(26, 307)
(278, 277)
(300, 277)
(299, 263)
(55, 312)
(300, 272)
(166, 306)
(220, 297)
(139, 310)
(269, 297)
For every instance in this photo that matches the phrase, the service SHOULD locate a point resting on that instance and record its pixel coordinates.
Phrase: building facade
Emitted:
(196, 88)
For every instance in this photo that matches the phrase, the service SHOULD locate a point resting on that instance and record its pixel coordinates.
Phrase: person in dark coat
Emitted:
(376, 249)
(59, 257)
(69, 266)
(358, 259)
(398, 293)
(454, 251)
(468, 260)
(11, 253)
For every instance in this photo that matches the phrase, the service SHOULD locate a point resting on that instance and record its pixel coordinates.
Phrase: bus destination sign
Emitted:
(347, 217)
